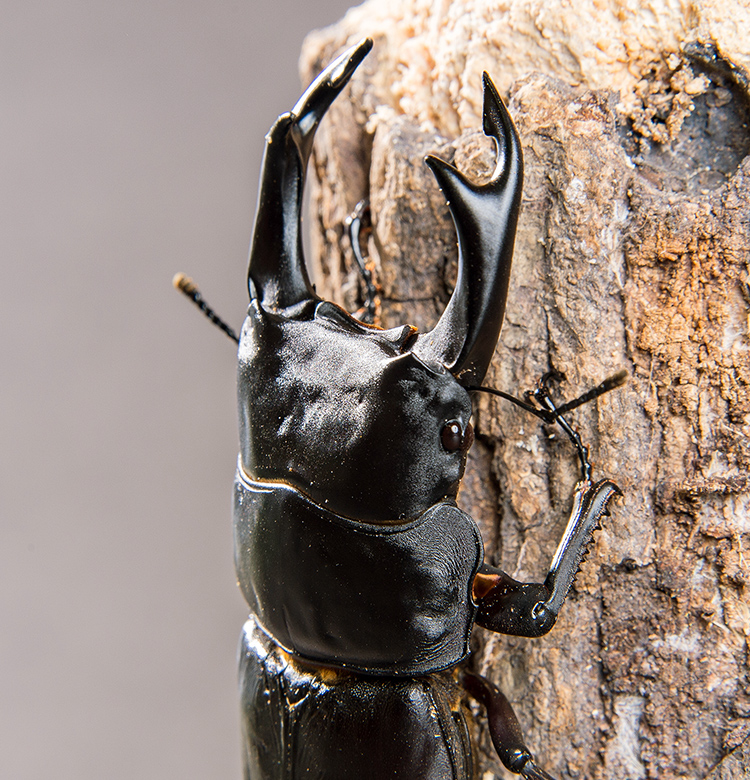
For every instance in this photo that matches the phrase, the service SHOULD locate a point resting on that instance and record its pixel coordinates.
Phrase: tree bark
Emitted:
(632, 252)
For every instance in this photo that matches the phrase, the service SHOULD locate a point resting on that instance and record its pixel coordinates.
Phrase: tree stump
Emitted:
(632, 252)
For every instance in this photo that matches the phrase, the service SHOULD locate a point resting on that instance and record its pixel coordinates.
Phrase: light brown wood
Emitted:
(632, 252)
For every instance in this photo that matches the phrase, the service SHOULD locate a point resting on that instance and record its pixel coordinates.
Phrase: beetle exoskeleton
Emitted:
(363, 577)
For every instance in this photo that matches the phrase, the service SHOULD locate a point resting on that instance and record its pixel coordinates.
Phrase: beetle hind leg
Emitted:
(505, 729)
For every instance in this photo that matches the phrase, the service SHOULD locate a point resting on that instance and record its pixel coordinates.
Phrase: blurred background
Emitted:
(131, 133)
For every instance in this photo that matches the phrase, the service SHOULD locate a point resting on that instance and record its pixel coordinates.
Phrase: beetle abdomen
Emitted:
(298, 723)
(377, 599)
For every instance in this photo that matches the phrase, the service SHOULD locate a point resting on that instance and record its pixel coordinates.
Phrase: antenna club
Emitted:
(184, 284)
(187, 286)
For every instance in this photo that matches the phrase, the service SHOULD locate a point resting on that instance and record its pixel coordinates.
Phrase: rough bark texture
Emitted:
(630, 253)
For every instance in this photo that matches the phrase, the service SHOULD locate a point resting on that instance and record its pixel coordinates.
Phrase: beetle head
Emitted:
(371, 423)
(348, 414)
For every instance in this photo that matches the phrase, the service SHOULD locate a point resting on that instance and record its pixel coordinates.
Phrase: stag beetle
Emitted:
(363, 577)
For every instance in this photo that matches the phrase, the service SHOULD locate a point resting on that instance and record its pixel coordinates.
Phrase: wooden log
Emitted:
(632, 252)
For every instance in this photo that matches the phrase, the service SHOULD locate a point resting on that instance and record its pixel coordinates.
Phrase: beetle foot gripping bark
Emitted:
(360, 570)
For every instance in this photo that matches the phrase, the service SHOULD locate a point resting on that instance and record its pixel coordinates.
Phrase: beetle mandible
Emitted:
(363, 577)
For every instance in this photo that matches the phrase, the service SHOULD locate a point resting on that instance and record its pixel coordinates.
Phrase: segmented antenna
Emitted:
(549, 412)
(550, 415)
(189, 288)
(610, 383)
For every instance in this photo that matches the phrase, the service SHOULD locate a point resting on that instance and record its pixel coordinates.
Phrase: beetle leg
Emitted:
(354, 226)
(505, 729)
(544, 399)
(510, 607)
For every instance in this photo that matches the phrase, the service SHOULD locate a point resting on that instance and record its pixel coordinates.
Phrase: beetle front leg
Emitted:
(510, 607)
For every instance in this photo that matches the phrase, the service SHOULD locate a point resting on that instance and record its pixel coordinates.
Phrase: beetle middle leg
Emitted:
(505, 729)
(356, 223)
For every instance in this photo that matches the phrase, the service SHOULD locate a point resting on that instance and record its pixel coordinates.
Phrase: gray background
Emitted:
(130, 139)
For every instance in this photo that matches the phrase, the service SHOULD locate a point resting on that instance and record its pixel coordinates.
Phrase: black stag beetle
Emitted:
(363, 577)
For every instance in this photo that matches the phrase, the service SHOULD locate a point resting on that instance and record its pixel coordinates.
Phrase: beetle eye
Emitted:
(454, 439)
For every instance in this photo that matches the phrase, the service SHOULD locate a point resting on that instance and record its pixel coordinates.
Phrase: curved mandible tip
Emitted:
(317, 98)
(485, 217)
(276, 269)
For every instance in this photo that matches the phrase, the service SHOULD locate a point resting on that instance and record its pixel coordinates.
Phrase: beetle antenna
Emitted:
(610, 383)
(550, 413)
(189, 288)
(542, 414)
